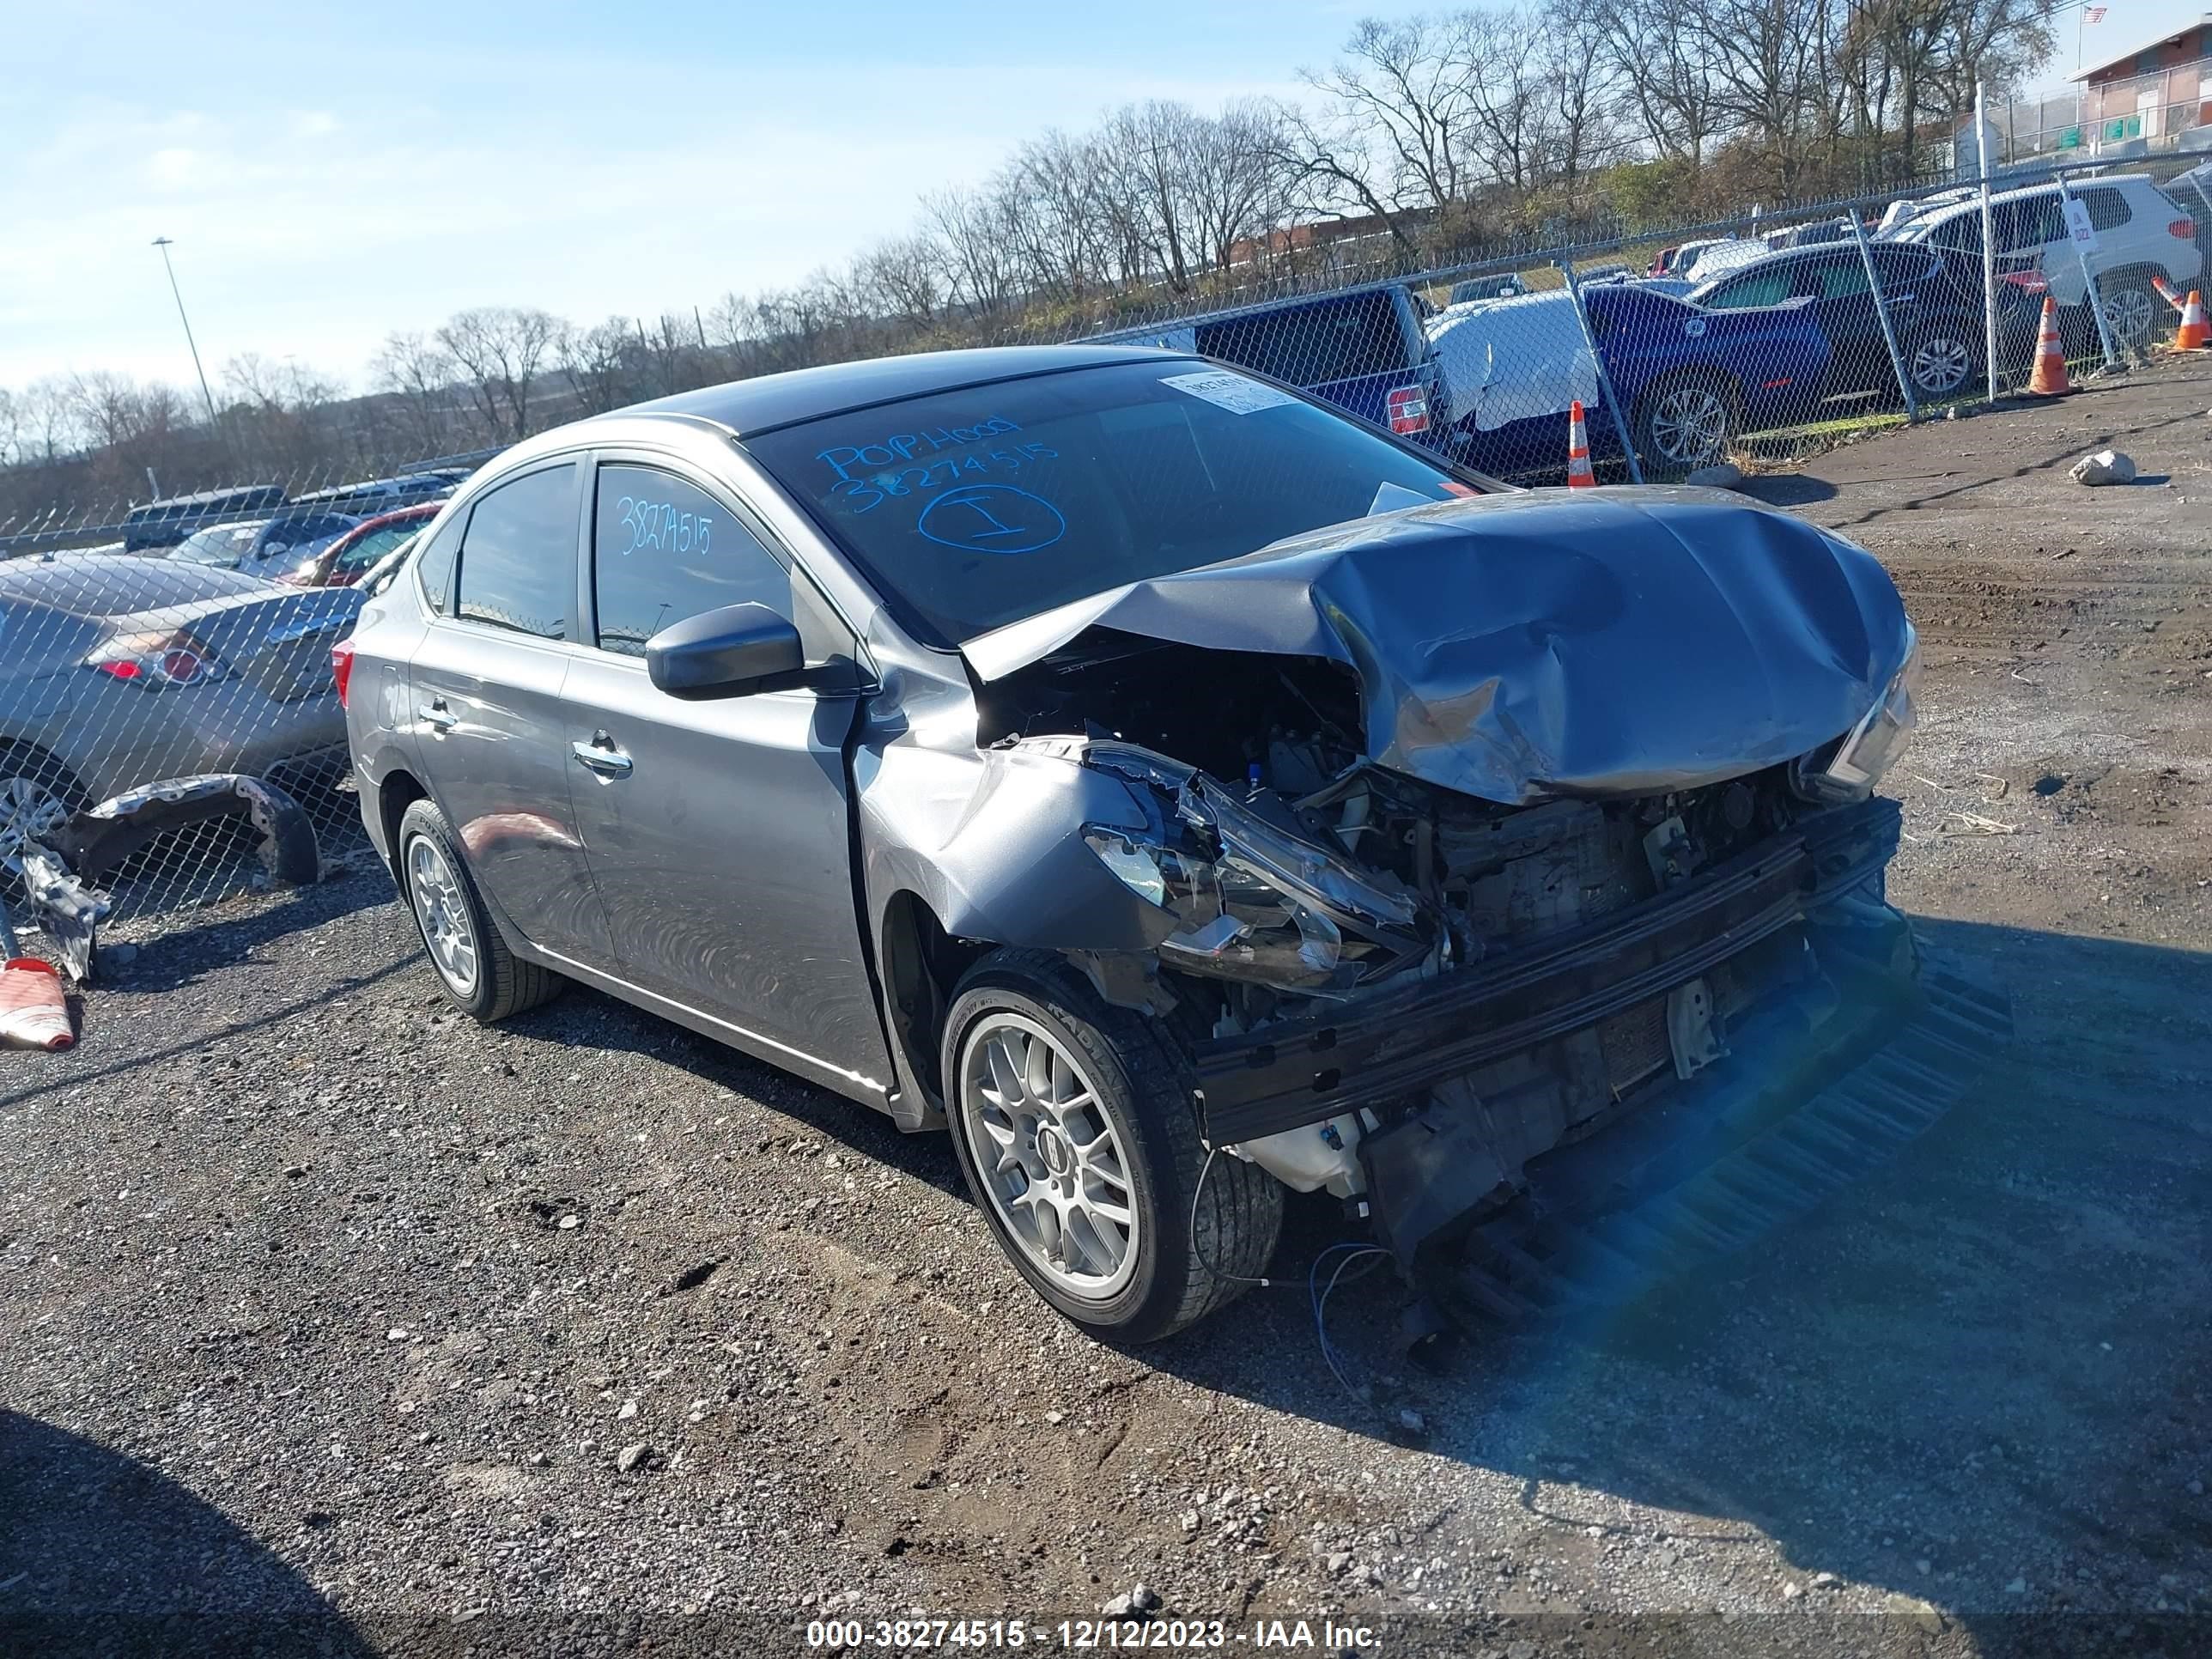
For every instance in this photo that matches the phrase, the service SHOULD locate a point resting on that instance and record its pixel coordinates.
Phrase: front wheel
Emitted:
(1075, 1131)
(1684, 424)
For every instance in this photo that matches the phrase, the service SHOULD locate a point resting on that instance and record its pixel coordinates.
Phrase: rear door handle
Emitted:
(436, 715)
(601, 756)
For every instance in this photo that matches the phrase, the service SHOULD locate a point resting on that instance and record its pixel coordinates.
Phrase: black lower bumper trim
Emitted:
(1404, 1039)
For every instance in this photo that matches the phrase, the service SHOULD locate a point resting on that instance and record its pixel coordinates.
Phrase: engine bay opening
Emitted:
(1245, 717)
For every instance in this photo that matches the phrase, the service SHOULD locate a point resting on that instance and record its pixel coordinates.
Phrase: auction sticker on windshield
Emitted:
(1231, 391)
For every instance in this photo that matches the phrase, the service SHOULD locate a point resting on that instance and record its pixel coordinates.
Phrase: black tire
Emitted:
(503, 983)
(1141, 1084)
(1664, 454)
(1943, 357)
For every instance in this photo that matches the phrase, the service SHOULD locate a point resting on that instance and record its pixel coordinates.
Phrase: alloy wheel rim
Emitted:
(1690, 425)
(1051, 1159)
(1939, 366)
(2128, 314)
(27, 810)
(443, 913)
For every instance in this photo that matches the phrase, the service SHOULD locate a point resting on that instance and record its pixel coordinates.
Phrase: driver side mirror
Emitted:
(726, 653)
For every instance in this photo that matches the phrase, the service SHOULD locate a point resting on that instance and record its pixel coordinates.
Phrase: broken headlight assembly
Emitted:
(1849, 770)
(1256, 900)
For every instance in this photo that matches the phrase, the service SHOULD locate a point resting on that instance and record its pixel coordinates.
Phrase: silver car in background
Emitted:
(118, 669)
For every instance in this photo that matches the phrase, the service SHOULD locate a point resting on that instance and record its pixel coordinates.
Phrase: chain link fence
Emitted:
(152, 653)
(189, 635)
(1759, 340)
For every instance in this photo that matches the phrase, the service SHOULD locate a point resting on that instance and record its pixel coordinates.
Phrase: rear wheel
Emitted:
(37, 793)
(479, 975)
(1074, 1129)
(1684, 424)
(1942, 360)
(2130, 309)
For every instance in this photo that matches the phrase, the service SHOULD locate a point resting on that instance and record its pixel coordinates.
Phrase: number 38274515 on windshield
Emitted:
(864, 493)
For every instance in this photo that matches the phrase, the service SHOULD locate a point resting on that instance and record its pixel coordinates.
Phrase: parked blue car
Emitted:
(1690, 380)
(1361, 350)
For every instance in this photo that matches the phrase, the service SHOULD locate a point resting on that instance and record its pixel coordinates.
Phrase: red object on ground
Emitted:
(34, 1011)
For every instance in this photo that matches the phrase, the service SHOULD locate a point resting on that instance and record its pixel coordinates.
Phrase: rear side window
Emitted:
(663, 550)
(519, 555)
(1832, 279)
(1314, 345)
(1763, 287)
(2108, 208)
(374, 546)
(434, 570)
(1960, 234)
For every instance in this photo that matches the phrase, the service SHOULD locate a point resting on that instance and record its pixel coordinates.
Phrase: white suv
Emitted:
(2141, 233)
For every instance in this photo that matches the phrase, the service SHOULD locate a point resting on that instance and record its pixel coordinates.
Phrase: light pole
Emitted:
(163, 243)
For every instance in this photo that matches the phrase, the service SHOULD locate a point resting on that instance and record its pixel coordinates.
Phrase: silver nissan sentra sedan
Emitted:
(1181, 792)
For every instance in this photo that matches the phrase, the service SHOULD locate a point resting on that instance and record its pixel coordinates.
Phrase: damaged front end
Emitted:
(1432, 1006)
(1550, 1036)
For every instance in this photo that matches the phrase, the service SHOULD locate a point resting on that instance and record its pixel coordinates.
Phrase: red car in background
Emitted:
(348, 559)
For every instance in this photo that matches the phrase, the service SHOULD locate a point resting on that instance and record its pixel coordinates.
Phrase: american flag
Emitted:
(2092, 14)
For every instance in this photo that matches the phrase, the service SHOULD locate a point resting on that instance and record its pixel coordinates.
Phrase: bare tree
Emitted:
(421, 373)
(1330, 170)
(501, 351)
(593, 361)
(979, 261)
(1405, 88)
(1666, 63)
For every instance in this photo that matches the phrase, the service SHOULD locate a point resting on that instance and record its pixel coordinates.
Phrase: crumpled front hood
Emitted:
(1516, 647)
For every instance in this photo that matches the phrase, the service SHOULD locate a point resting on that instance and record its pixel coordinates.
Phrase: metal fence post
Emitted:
(1988, 253)
(2088, 280)
(1882, 311)
(1604, 381)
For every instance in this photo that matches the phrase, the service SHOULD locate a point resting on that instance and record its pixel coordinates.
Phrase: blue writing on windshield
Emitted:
(898, 448)
(871, 491)
(992, 518)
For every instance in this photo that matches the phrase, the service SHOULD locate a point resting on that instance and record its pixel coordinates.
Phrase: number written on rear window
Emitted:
(663, 550)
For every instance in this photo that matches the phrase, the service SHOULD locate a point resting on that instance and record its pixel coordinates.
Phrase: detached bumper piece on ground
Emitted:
(63, 870)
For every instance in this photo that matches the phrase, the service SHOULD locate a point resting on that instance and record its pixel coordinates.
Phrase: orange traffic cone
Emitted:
(2048, 379)
(1579, 476)
(33, 1012)
(2193, 331)
(2168, 292)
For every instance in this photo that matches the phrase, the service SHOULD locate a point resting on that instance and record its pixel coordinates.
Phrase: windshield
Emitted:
(224, 545)
(975, 508)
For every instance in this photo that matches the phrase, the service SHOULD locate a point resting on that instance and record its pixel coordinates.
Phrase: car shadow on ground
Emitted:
(817, 1111)
(101, 1553)
(181, 946)
(1967, 1379)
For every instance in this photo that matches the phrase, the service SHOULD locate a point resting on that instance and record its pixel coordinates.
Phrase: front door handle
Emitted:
(601, 755)
(437, 716)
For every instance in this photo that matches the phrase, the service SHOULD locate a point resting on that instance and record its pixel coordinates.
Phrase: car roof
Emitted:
(1971, 200)
(401, 515)
(769, 401)
(97, 585)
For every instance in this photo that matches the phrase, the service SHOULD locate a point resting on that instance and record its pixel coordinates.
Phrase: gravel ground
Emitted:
(332, 1320)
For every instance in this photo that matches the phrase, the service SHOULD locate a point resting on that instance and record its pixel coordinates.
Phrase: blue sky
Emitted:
(329, 177)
